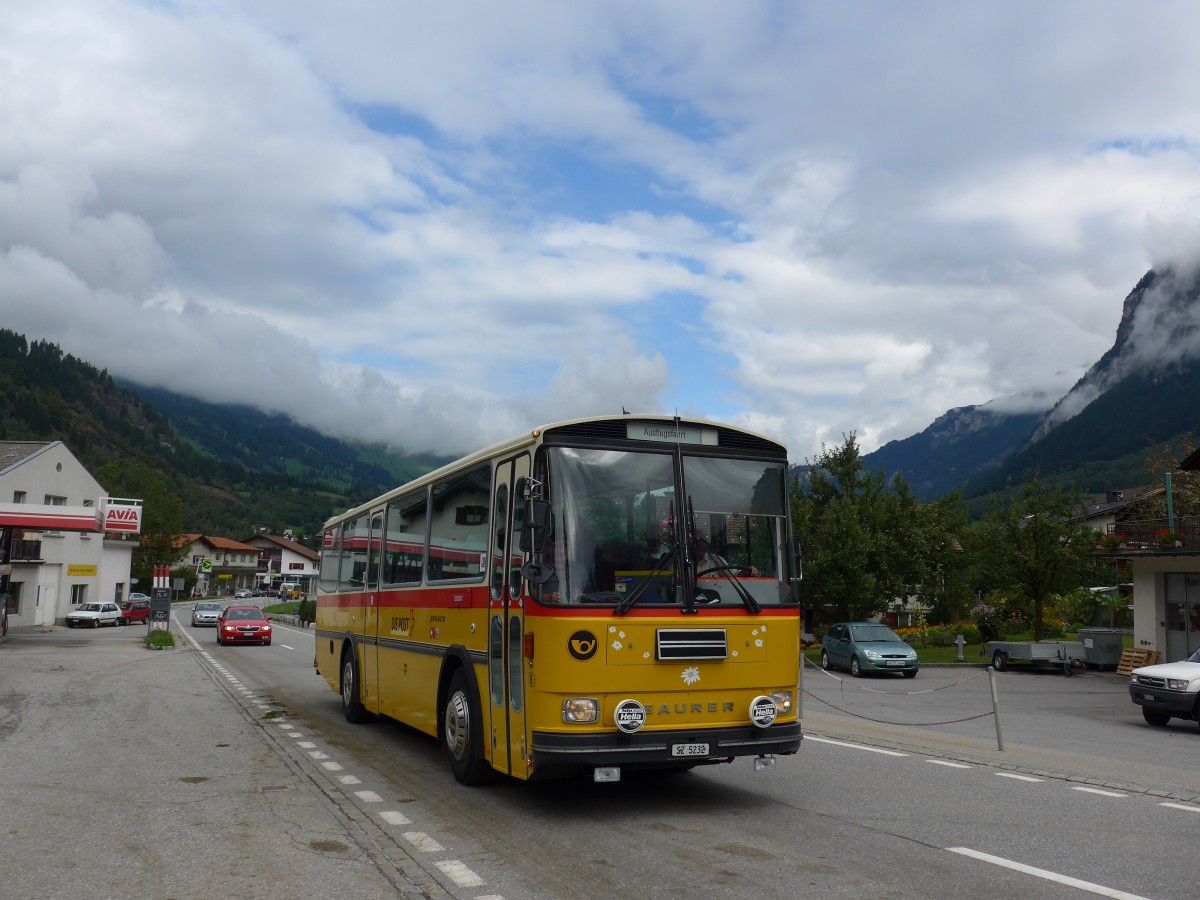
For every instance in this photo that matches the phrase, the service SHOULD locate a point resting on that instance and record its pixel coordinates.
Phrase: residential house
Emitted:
(282, 559)
(1163, 558)
(222, 565)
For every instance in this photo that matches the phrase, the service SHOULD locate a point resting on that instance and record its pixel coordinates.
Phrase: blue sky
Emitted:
(437, 227)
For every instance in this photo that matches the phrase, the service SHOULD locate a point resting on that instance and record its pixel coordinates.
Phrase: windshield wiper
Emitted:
(659, 568)
(730, 572)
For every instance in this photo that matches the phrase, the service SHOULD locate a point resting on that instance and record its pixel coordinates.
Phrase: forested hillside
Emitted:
(227, 470)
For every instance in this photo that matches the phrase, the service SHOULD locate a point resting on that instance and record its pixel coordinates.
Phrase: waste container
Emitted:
(1102, 647)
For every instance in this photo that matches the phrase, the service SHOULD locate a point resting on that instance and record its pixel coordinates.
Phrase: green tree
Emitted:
(1034, 547)
(868, 543)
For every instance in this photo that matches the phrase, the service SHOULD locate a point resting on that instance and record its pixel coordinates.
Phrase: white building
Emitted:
(59, 554)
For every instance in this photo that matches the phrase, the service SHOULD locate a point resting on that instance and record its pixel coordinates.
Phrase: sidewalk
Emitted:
(127, 772)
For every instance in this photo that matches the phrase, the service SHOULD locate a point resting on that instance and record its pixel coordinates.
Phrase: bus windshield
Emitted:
(627, 522)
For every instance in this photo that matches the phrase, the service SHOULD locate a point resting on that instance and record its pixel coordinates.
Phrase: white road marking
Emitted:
(1017, 777)
(333, 766)
(854, 746)
(423, 842)
(368, 796)
(287, 647)
(1088, 790)
(459, 873)
(1046, 874)
(318, 754)
(1195, 809)
(395, 818)
(349, 779)
(307, 745)
(946, 762)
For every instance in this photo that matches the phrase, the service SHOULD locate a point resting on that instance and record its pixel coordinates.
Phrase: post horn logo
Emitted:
(582, 645)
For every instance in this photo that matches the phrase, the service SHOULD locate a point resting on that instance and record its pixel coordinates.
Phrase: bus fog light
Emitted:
(606, 773)
(763, 711)
(580, 710)
(764, 763)
(783, 701)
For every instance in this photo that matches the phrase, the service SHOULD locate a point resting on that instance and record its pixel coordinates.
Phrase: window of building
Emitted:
(78, 594)
(18, 496)
(296, 567)
(54, 500)
(14, 597)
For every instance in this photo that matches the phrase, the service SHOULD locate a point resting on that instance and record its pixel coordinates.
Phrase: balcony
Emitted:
(1152, 536)
(26, 551)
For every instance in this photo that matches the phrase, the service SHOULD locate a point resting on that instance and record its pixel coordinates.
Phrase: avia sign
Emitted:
(123, 516)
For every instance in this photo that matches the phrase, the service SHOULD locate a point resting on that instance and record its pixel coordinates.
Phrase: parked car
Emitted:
(94, 615)
(133, 611)
(1167, 690)
(243, 625)
(244, 594)
(139, 596)
(206, 613)
(867, 647)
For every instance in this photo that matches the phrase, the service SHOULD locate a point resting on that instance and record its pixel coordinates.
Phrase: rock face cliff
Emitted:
(1141, 391)
(1159, 329)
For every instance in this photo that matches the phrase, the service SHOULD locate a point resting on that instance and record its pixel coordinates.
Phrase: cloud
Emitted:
(437, 226)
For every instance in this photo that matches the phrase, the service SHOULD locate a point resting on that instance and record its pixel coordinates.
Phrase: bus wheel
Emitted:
(352, 707)
(462, 733)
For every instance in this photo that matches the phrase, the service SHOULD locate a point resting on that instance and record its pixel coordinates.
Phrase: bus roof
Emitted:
(511, 444)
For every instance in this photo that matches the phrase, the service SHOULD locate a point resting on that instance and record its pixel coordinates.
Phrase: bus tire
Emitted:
(461, 728)
(352, 707)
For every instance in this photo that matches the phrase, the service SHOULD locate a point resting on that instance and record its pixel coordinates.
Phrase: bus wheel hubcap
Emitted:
(457, 725)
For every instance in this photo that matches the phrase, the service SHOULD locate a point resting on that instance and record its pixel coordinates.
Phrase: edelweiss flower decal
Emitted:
(616, 645)
(690, 675)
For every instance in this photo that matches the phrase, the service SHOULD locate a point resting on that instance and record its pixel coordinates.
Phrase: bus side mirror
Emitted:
(797, 561)
(534, 527)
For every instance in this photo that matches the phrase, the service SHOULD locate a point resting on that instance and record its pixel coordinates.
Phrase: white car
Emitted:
(94, 615)
(206, 613)
(1168, 690)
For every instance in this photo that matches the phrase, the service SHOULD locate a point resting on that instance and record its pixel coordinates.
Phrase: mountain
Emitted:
(1138, 396)
(956, 448)
(231, 470)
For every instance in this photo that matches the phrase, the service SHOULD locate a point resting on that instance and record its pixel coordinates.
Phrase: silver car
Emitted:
(206, 613)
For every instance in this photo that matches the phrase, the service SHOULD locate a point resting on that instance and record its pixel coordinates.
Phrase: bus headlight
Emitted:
(580, 710)
(783, 701)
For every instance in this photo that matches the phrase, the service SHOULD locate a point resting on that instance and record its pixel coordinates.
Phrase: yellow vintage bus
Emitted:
(594, 596)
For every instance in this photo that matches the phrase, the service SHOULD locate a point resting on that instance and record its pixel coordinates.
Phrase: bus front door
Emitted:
(506, 625)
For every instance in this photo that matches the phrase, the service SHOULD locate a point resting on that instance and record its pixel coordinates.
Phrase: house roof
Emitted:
(13, 453)
(217, 543)
(1115, 500)
(284, 543)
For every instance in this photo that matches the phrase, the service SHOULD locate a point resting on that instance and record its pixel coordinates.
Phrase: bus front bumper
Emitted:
(662, 748)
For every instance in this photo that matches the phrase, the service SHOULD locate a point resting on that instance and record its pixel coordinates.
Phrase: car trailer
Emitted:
(1067, 654)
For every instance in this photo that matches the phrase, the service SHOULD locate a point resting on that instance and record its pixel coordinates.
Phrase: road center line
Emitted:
(854, 746)
(946, 762)
(1089, 790)
(1046, 874)
(1195, 809)
(1014, 775)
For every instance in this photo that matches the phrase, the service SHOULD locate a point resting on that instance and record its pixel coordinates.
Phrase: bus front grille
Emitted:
(692, 643)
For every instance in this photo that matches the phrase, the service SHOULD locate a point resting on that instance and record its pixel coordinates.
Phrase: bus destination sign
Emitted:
(667, 433)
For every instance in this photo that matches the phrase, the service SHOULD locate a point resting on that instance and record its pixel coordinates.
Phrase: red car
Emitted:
(243, 625)
(133, 611)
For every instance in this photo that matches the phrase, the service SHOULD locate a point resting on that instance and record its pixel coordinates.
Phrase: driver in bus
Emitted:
(705, 560)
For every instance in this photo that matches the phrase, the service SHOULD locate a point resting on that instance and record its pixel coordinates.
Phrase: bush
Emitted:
(307, 611)
(160, 637)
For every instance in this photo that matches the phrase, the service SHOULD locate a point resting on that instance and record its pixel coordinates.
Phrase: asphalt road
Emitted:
(899, 791)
